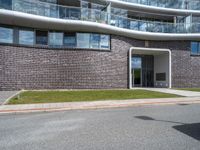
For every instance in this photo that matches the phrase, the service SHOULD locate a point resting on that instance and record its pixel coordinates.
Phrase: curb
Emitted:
(88, 106)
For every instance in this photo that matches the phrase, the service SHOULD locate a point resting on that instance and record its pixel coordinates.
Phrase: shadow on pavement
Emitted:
(192, 130)
(183, 104)
(152, 119)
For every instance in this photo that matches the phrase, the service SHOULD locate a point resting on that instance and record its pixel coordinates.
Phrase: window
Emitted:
(55, 39)
(6, 35)
(26, 37)
(195, 48)
(6, 4)
(94, 40)
(42, 37)
(49, 1)
(70, 39)
(73, 13)
(105, 42)
(83, 40)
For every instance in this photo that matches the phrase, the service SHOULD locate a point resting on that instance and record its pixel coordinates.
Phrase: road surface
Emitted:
(169, 127)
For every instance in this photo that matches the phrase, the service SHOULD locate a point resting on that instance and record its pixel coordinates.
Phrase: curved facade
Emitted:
(169, 4)
(56, 44)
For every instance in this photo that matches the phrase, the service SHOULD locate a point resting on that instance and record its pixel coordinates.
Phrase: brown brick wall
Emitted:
(40, 68)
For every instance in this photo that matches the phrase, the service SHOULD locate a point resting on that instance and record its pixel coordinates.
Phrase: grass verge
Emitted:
(30, 97)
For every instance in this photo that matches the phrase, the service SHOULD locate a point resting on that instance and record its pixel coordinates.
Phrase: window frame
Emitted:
(47, 41)
(5, 6)
(74, 35)
(109, 42)
(13, 34)
(53, 45)
(26, 29)
(197, 51)
(93, 43)
(77, 42)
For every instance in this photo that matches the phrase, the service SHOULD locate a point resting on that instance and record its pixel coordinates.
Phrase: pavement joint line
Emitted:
(101, 106)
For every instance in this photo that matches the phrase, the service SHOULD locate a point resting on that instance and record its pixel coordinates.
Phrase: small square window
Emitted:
(194, 48)
(42, 37)
(56, 39)
(6, 4)
(70, 39)
(83, 40)
(6, 35)
(105, 42)
(26, 37)
(94, 40)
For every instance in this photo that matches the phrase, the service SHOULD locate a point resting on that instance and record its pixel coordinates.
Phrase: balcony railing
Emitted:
(175, 4)
(93, 15)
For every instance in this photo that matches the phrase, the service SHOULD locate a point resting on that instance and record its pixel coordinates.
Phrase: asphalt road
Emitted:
(170, 127)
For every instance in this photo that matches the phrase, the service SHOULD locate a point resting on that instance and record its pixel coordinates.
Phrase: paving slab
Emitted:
(173, 91)
(5, 95)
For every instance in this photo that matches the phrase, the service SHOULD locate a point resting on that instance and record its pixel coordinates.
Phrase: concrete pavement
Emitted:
(168, 127)
(173, 91)
(5, 95)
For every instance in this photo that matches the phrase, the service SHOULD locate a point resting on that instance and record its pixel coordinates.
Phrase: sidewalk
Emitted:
(7, 109)
(6, 95)
(174, 91)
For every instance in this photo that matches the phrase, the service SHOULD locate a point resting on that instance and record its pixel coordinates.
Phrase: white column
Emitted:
(130, 69)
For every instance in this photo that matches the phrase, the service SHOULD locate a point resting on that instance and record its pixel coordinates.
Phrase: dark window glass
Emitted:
(194, 47)
(70, 39)
(26, 37)
(160, 76)
(6, 35)
(41, 37)
(49, 1)
(6, 4)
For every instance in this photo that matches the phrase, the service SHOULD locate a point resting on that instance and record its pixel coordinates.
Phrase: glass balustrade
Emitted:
(93, 15)
(175, 4)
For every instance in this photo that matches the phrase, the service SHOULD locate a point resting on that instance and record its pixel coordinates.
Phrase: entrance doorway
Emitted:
(137, 71)
(149, 67)
(142, 70)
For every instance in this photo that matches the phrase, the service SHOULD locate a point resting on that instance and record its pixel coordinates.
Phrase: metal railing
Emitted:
(93, 15)
(175, 4)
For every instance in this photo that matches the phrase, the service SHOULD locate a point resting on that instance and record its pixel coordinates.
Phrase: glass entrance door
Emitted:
(147, 71)
(137, 71)
(142, 71)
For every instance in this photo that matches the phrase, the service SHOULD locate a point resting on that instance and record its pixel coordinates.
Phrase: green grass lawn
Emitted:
(30, 97)
(190, 89)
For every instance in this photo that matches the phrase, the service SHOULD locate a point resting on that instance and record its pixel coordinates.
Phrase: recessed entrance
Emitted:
(149, 67)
